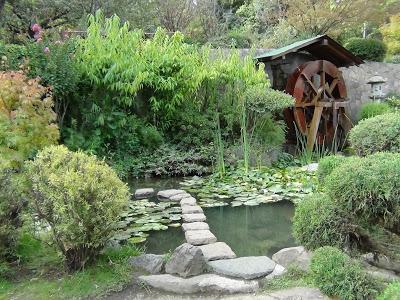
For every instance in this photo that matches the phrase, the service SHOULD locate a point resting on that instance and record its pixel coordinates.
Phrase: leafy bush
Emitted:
(380, 133)
(369, 188)
(79, 197)
(12, 56)
(392, 292)
(368, 49)
(318, 222)
(373, 109)
(328, 164)
(394, 102)
(26, 118)
(336, 274)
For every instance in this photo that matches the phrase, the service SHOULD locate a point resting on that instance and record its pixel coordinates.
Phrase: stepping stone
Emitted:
(217, 251)
(195, 226)
(179, 197)
(166, 194)
(200, 283)
(200, 237)
(250, 267)
(195, 209)
(144, 193)
(190, 218)
(188, 201)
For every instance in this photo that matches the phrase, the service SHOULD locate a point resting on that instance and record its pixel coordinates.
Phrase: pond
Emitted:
(248, 230)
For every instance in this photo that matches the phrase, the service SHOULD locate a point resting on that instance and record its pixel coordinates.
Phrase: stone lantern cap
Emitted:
(376, 79)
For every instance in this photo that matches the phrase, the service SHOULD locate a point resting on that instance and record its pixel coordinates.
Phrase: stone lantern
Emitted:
(377, 83)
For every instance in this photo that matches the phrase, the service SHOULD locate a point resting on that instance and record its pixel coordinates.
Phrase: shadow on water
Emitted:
(248, 230)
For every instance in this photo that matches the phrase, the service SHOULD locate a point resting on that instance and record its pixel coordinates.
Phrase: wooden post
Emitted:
(312, 133)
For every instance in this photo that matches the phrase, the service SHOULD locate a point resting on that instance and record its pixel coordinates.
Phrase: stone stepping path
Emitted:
(216, 251)
(200, 237)
(190, 218)
(250, 267)
(195, 226)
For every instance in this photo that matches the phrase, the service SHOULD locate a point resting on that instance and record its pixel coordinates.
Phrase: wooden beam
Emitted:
(312, 133)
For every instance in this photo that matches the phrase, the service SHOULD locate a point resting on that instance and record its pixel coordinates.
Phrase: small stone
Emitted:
(149, 262)
(278, 271)
(296, 256)
(200, 237)
(166, 194)
(188, 201)
(195, 226)
(244, 267)
(187, 260)
(215, 251)
(144, 193)
(312, 167)
(193, 209)
(190, 218)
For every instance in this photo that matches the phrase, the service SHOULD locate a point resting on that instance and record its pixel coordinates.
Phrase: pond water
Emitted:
(248, 230)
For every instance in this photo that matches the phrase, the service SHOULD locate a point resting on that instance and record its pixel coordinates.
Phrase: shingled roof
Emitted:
(321, 47)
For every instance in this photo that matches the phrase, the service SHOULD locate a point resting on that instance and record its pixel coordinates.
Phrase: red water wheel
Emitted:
(320, 109)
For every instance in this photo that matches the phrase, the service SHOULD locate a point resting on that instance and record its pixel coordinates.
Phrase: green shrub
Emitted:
(12, 56)
(392, 292)
(369, 189)
(394, 102)
(318, 222)
(151, 138)
(377, 134)
(368, 49)
(373, 109)
(79, 197)
(328, 164)
(336, 274)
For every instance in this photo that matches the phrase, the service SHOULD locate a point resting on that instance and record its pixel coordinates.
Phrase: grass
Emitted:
(294, 277)
(43, 276)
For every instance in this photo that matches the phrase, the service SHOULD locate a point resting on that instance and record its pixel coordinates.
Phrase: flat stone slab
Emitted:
(179, 197)
(192, 209)
(166, 194)
(250, 267)
(215, 251)
(144, 193)
(200, 237)
(195, 226)
(188, 201)
(200, 283)
(190, 218)
(298, 293)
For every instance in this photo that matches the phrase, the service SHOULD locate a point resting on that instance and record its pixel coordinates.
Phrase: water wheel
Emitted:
(320, 108)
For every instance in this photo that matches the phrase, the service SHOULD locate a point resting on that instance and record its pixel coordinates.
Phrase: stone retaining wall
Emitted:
(356, 78)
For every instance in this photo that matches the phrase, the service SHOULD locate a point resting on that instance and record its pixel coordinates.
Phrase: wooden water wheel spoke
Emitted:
(315, 116)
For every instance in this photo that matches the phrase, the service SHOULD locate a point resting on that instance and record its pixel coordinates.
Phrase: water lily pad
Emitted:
(175, 225)
(137, 240)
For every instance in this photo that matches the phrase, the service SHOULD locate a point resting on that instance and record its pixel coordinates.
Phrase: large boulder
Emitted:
(144, 193)
(151, 263)
(243, 267)
(187, 260)
(382, 262)
(294, 256)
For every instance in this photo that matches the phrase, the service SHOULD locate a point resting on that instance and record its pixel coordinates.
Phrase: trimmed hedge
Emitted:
(367, 49)
(373, 109)
(368, 188)
(327, 164)
(318, 222)
(377, 134)
(336, 274)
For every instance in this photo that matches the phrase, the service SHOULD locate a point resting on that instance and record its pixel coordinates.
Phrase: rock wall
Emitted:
(356, 79)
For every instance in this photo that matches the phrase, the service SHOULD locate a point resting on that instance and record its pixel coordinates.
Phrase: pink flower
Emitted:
(36, 28)
(46, 50)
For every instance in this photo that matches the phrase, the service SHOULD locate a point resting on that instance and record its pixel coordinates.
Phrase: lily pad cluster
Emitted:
(258, 186)
(143, 216)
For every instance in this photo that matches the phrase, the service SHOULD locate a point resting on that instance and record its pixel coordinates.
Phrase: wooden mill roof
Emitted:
(321, 47)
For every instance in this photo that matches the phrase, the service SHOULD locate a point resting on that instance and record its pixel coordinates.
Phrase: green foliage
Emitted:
(336, 274)
(79, 197)
(26, 119)
(328, 164)
(11, 56)
(380, 133)
(368, 49)
(260, 99)
(373, 109)
(369, 188)
(394, 102)
(392, 292)
(319, 222)
(391, 35)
